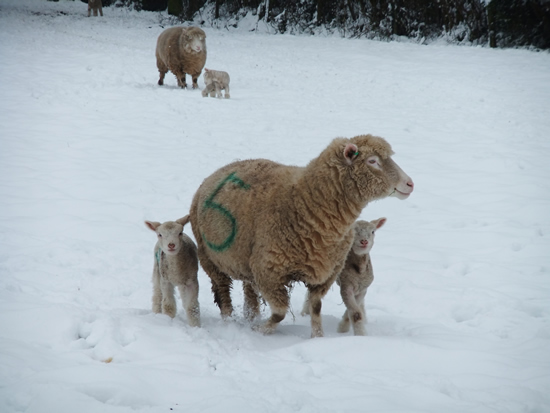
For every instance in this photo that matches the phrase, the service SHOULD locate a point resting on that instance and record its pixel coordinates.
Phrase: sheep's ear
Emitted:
(183, 221)
(152, 225)
(350, 153)
(379, 223)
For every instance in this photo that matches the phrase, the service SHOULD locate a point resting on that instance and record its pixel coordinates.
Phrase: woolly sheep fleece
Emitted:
(181, 50)
(270, 225)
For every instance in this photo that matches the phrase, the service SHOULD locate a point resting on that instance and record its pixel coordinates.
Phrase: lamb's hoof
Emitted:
(343, 327)
(160, 82)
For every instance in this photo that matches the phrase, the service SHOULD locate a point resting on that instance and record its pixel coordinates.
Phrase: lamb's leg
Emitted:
(355, 312)
(227, 92)
(343, 325)
(157, 293)
(89, 11)
(168, 301)
(221, 285)
(251, 302)
(189, 293)
(101, 10)
(306, 306)
(361, 301)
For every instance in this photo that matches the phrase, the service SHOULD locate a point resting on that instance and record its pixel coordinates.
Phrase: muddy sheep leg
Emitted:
(251, 302)
(221, 286)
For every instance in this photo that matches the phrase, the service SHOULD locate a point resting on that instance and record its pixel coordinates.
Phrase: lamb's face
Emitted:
(364, 235)
(170, 236)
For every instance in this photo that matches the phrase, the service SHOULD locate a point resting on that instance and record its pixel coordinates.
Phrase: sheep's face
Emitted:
(169, 234)
(375, 173)
(364, 235)
(195, 40)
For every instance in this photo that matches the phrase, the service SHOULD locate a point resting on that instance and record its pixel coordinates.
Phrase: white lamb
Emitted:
(176, 264)
(357, 276)
(216, 81)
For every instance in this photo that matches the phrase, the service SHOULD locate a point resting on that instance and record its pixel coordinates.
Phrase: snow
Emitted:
(459, 312)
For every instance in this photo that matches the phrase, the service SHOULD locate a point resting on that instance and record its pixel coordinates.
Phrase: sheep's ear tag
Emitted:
(350, 153)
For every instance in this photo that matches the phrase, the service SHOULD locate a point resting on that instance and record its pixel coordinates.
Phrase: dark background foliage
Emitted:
(501, 23)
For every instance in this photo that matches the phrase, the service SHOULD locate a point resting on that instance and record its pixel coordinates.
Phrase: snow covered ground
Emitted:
(90, 146)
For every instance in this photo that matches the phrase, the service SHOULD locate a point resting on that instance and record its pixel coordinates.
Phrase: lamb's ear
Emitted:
(350, 153)
(152, 225)
(183, 221)
(379, 223)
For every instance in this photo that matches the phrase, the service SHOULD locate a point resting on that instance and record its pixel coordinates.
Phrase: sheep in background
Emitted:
(216, 81)
(95, 5)
(356, 277)
(181, 50)
(271, 225)
(176, 264)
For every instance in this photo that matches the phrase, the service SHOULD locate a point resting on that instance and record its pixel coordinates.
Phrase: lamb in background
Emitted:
(270, 225)
(216, 81)
(356, 277)
(176, 264)
(181, 50)
(95, 5)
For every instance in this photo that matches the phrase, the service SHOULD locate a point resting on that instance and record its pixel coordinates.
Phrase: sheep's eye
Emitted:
(160, 236)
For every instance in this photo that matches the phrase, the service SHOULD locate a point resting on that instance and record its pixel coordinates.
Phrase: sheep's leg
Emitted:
(189, 293)
(157, 292)
(168, 300)
(355, 313)
(227, 92)
(162, 71)
(343, 325)
(89, 11)
(251, 302)
(221, 285)
(181, 80)
(101, 11)
(278, 300)
(315, 312)
(195, 80)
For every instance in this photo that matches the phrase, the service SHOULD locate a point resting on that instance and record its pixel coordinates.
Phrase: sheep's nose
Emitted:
(410, 184)
(364, 242)
(171, 246)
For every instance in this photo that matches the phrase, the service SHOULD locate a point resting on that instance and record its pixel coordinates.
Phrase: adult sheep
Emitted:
(270, 225)
(181, 50)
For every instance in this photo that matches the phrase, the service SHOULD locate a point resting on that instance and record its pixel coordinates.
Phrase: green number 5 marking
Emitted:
(210, 204)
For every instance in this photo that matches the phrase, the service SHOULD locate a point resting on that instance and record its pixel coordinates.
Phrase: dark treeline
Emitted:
(501, 23)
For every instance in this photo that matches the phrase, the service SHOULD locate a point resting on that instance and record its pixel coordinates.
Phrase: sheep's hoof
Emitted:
(266, 328)
(160, 82)
(317, 332)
